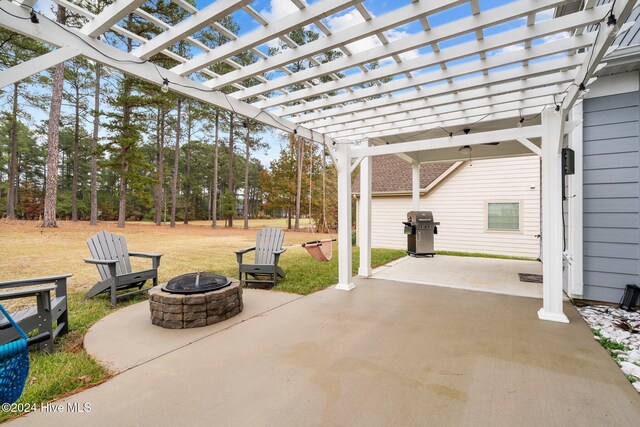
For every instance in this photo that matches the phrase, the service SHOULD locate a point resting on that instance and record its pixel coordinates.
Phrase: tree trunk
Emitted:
(159, 189)
(247, 155)
(76, 147)
(176, 165)
(124, 165)
(51, 190)
(299, 157)
(214, 202)
(187, 181)
(187, 187)
(289, 219)
(13, 160)
(232, 189)
(94, 148)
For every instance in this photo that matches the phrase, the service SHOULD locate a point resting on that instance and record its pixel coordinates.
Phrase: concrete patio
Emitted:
(494, 275)
(384, 354)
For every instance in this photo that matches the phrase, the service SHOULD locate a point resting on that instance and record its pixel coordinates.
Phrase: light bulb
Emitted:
(612, 24)
(165, 85)
(33, 17)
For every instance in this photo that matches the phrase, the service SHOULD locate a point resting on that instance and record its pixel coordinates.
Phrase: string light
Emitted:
(33, 17)
(612, 23)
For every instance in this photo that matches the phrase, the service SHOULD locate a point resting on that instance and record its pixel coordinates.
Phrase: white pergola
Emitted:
(464, 82)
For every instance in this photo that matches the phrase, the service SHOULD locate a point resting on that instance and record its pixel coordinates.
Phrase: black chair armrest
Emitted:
(34, 281)
(278, 252)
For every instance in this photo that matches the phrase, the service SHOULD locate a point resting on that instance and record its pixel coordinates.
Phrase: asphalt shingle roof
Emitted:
(392, 174)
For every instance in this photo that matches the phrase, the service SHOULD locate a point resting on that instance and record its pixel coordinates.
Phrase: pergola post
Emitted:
(364, 269)
(343, 159)
(552, 227)
(415, 186)
(575, 202)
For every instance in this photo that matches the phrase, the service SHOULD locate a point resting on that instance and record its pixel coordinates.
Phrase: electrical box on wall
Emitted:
(568, 161)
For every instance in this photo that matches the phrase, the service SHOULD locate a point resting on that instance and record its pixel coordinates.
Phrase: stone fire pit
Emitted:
(178, 311)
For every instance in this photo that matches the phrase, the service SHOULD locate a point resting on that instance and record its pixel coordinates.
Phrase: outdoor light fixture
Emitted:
(245, 124)
(583, 90)
(466, 131)
(165, 85)
(557, 108)
(520, 122)
(295, 131)
(36, 28)
(34, 17)
(465, 150)
(612, 23)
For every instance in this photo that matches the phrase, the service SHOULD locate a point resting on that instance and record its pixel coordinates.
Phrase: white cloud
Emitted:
(345, 21)
(278, 9)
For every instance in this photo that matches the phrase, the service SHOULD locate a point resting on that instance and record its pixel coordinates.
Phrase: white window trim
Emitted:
(520, 216)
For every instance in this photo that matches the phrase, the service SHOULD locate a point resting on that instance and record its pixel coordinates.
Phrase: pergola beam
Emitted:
(193, 23)
(453, 124)
(434, 77)
(502, 40)
(484, 95)
(460, 109)
(110, 16)
(531, 146)
(447, 142)
(264, 34)
(113, 57)
(621, 10)
(349, 35)
(414, 41)
(35, 65)
(533, 70)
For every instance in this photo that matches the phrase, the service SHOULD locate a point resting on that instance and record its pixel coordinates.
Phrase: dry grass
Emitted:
(26, 250)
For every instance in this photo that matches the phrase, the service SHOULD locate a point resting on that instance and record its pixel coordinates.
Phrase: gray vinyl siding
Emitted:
(611, 195)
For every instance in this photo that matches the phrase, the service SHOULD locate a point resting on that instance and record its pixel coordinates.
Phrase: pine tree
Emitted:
(51, 192)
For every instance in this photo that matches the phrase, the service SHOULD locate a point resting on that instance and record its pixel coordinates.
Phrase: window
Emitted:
(503, 216)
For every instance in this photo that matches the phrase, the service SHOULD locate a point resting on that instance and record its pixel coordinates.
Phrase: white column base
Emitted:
(364, 272)
(552, 317)
(345, 286)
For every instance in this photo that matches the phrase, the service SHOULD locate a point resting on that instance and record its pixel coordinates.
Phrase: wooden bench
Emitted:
(44, 315)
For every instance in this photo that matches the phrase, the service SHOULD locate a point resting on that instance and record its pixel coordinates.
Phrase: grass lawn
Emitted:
(29, 251)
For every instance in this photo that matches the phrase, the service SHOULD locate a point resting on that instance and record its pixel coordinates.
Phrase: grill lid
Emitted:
(194, 283)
